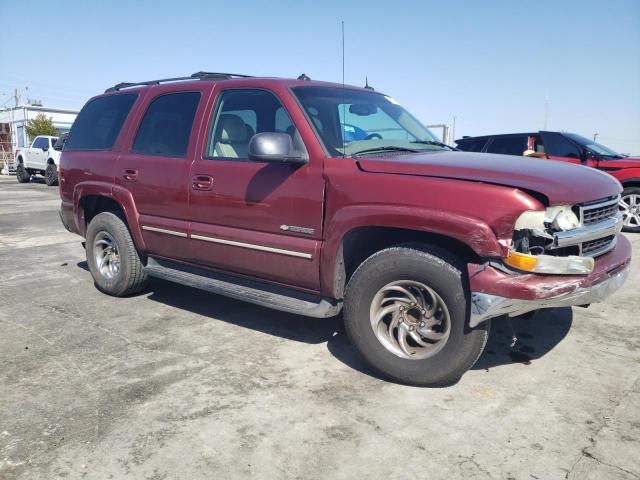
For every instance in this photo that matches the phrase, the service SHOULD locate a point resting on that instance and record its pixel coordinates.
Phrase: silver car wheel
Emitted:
(105, 251)
(630, 208)
(410, 319)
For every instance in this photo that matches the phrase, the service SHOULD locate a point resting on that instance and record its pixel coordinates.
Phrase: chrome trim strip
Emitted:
(485, 306)
(604, 203)
(163, 230)
(594, 231)
(252, 246)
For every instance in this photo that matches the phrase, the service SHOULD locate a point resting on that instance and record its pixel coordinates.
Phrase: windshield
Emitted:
(350, 122)
(601, 150)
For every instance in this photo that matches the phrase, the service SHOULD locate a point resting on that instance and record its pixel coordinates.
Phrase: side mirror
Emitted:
(45, 149)
(275, 147)
(586, 155)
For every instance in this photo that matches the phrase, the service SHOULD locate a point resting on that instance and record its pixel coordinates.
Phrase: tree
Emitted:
(41, 125)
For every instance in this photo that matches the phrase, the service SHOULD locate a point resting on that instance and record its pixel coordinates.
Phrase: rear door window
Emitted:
(166, 126)
(508, 145)
(99, 122)
(40, 142)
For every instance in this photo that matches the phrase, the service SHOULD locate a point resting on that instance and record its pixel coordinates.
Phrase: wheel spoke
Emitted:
(401, 326)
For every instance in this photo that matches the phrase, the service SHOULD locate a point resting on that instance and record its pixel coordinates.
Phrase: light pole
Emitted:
(595, 135)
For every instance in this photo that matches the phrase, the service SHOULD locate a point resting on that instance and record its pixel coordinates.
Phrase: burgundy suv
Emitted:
(308, 196)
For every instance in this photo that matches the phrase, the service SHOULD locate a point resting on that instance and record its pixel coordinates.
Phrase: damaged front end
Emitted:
(564, 255)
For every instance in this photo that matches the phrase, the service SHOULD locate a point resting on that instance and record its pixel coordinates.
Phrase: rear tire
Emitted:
(630, 208)
(434, 278)
(22, 174)
(51, 175)
(113, 260)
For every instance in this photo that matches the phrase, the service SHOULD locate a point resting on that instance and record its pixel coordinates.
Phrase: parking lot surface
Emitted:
(180, 384)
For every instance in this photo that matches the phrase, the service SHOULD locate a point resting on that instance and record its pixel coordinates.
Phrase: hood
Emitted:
(561, 183)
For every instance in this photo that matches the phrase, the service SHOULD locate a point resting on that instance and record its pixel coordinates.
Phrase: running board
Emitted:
(259, 293)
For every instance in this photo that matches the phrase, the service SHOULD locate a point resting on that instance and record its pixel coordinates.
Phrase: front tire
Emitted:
(406, 311)
(630, 208)
(22, 174)
(51, 175)
(112, 257)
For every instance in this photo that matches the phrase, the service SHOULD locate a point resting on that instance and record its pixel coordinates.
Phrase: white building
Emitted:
(16, 118)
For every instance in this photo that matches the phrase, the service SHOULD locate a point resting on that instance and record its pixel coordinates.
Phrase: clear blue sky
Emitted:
(488, 62)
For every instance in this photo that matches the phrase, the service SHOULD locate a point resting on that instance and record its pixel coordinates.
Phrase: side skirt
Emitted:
(259, 293)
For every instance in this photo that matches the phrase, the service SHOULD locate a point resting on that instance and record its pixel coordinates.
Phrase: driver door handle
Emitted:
(202, 182)
(130, 175)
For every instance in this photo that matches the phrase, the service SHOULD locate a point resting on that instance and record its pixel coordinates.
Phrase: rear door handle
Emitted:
(130, 175)
(202, 182)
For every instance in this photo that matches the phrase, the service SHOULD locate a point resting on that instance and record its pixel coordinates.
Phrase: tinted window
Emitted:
(556, 144)
(240, 114)
(509, 145)
(472, 144)
(166, 125)
(99, 122)
(41, 142)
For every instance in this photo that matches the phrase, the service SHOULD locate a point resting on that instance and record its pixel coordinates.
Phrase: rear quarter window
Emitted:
(99, 122)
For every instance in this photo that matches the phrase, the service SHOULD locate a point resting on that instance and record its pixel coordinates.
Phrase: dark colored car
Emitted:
(312, 197)
(573, 148)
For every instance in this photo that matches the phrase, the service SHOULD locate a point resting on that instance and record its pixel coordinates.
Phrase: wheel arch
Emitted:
(359, 243)
(631, 182)
(92, 199)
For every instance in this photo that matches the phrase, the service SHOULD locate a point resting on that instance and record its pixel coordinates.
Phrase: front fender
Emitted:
(471, 231)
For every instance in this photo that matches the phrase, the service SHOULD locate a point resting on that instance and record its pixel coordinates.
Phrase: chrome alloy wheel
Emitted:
(630, 208)
(105, 252)
(410, 319)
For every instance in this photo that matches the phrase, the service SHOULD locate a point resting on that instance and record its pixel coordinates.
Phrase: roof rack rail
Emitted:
(195, 76)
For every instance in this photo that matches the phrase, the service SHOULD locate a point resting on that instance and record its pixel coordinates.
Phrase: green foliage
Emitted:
(40, 125)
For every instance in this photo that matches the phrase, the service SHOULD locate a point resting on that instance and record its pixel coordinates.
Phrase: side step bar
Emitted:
(264, 294)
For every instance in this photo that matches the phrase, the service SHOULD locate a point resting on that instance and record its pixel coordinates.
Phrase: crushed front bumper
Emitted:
(495, 292)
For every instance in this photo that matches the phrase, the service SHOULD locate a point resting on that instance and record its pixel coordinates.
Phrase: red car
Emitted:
(312, 198)
(570, 147)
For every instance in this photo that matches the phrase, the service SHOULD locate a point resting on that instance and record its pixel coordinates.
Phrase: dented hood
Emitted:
(560, 182)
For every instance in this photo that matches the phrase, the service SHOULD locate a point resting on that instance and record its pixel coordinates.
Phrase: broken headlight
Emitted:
(533, 249)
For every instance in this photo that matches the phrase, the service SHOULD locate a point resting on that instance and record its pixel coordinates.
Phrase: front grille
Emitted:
(595, 246)
(593, 213)
(598, 213)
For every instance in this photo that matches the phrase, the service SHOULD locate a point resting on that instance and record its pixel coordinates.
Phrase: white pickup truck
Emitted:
(40, 158)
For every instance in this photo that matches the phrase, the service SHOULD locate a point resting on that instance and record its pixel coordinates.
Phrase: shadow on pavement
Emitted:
(537, 335)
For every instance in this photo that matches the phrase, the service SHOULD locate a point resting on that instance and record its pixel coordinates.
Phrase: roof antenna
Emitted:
(344, 101)
(366, 84)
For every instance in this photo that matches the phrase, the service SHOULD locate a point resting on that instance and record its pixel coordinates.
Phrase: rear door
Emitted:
(255, 218)
(508, 144)
(154, 167)
(37, 153)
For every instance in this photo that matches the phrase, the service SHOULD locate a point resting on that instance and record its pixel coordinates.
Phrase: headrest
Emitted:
(232, 129)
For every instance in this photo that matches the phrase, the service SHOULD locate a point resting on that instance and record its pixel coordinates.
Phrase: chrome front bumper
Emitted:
(485, 306)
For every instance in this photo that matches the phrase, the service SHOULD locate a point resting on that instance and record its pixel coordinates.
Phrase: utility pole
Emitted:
(16, 96)
(546, 109)
(453, 128)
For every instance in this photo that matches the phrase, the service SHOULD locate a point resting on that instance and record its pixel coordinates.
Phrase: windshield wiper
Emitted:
(388, 148)
(436, 143)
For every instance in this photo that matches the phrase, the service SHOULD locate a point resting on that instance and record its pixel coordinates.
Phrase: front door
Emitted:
(37, 153)
(155, 169)
(255, 218)
(559, 147)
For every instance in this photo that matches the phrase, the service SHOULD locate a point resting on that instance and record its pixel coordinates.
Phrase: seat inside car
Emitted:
(232, 137)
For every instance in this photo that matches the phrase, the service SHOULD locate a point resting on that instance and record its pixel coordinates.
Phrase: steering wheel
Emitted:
(373, 135)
